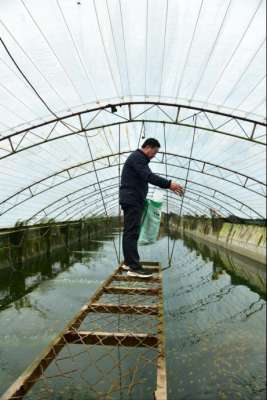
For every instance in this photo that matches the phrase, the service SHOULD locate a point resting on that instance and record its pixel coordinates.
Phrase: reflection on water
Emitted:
(214, 313)
(20, 280)
(242, 270)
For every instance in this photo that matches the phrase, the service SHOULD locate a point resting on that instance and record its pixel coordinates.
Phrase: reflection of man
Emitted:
(135, 177)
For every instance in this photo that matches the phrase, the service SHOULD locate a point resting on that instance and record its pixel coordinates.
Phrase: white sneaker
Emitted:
(125, 267)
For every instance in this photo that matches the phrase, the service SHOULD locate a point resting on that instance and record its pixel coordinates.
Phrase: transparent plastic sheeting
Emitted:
(58, 58)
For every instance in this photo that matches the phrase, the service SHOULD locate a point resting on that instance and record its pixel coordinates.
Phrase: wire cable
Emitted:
(52, 50)
(186, 181)
(212, 50)
(105, 51)
(164, 47)
(100, 190)
(167, 195)
(233, 52)
(189, 50)
(119, 208)
(125, 49)
(84, 68)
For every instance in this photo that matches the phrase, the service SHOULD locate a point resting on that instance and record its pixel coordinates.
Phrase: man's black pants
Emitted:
(132, 224)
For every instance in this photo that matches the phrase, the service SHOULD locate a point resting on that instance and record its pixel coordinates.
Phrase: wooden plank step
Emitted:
(154, 263)
(126, 278)
(128, 339)
(123, 308)
(149, 267)
(131, 290)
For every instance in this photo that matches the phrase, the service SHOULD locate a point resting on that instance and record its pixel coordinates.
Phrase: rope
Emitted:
(186, 180)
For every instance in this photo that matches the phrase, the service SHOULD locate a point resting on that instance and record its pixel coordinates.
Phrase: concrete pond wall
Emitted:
(243, 270)
(243, 238)
(22, 243)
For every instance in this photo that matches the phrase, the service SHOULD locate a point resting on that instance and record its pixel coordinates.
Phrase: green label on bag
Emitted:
(150, 223)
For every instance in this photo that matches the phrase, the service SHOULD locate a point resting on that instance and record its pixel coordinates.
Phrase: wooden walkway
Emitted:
(126, 293)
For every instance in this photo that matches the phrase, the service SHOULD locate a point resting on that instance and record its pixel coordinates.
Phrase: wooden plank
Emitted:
(123, 308)
(126, 278)
(161, 389)
(154, 263)
(128, 339)
(150, 268)
(131, 290)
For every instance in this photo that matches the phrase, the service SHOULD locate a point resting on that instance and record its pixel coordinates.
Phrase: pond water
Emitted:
(214, 304)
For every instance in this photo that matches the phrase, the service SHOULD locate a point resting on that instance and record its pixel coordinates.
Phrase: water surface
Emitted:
(215, 316)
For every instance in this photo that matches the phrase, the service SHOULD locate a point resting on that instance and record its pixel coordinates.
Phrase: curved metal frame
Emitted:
(116, 194)
(207, 206)
(199, 194)
(98, 213)
(168, 114)
(93, 185)
(114, 197)
(95, 193)
(200, 166)
(248, 127)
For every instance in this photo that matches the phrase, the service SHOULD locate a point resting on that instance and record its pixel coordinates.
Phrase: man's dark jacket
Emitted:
(135, 177)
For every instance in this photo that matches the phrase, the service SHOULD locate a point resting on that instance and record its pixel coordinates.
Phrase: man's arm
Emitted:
(145, 172)
(157, 180)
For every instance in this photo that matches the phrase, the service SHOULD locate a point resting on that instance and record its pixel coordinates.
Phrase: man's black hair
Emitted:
(151, 142)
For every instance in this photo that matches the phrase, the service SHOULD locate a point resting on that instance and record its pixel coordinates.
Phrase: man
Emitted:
(135, 177)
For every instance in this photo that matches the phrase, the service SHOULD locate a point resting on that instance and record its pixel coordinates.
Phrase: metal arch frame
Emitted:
(93, 202)
(191, 212)
(115, 200)
(179, 119)
(115, 193)
(96, 193)
(208, 198)
(116, 177)
(198, 193)
(207, 206)
(116, 204)
(84, 197)
(29, 190)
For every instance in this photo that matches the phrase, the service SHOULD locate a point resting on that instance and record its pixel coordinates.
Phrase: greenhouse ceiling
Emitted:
(82, 83)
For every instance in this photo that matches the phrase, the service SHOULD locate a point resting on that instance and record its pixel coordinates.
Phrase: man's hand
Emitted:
(175, 187)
